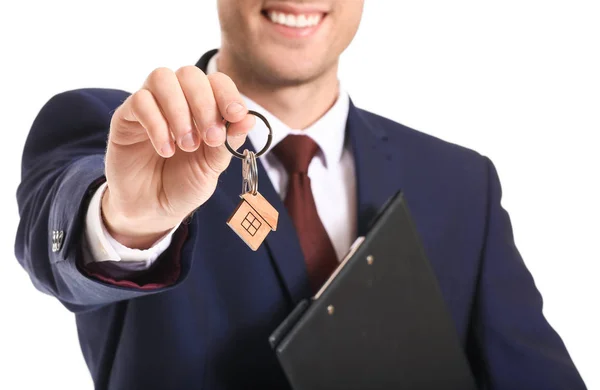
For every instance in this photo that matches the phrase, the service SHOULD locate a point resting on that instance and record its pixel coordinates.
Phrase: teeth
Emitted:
(281, 19)
(291, 20)
(301, 21)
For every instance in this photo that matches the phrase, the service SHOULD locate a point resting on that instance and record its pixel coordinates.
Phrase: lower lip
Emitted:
(295, 32)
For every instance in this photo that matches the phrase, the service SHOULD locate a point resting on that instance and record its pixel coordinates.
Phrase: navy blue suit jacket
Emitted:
(201, 317)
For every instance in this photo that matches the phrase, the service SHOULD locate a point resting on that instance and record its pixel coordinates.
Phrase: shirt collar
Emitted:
(328, 131)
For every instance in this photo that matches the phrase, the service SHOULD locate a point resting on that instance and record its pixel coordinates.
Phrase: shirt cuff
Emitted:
(103, 247)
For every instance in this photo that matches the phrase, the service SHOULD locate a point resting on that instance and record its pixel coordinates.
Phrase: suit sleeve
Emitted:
(62, 167)
(516, 346)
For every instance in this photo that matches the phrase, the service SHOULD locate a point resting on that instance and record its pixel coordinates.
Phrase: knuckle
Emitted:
(179, 116)
(219, 79)
(160, 76)
(205, 110)
(140, 98)
(181, 119)
(189, 72)
(224, 89)
(203, 106)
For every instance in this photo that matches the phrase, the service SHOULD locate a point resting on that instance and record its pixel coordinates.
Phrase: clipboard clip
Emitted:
(353, 248)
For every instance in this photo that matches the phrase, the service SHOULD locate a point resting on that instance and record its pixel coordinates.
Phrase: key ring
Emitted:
(264, 149)
(249, 173)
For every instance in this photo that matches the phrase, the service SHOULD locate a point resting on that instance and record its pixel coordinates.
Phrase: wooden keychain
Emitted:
(254, 217)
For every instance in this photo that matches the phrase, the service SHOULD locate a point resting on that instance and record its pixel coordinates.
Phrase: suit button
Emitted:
(57, 240)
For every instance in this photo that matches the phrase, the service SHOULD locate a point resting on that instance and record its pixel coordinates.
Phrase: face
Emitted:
(287, 42)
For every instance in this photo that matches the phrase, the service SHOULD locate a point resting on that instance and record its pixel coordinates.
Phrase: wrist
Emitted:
(129, 230)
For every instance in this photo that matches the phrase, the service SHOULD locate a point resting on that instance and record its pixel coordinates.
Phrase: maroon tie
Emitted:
(295, 153)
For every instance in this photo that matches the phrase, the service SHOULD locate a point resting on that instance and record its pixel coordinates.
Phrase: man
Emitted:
(169, 298)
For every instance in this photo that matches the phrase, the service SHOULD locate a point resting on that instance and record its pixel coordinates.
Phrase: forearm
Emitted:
(63, 165)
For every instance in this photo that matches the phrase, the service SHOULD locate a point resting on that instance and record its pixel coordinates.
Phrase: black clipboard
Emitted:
(379, 322)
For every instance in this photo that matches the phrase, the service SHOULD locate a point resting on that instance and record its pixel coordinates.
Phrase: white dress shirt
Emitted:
(331, 174)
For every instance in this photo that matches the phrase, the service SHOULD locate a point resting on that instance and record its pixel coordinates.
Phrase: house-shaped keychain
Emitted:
(253, 219)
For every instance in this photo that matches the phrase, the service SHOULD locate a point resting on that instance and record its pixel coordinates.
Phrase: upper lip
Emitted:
(295, 8)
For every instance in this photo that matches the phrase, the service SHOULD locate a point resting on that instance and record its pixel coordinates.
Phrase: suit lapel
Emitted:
(373, 162)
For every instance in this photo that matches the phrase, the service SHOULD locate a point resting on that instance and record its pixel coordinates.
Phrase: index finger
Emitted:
(228, 98)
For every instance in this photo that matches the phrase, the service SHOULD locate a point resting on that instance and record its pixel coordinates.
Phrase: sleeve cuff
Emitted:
(103, 247)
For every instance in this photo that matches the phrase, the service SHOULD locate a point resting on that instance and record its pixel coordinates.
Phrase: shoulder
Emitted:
(79, 115)
(87, 99)
(446, 165)
(435, 148)
(86, 107)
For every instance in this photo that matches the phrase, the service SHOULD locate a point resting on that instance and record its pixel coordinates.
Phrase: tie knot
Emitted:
(296, 152)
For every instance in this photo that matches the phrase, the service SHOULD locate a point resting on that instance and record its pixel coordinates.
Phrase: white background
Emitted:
(518, 81)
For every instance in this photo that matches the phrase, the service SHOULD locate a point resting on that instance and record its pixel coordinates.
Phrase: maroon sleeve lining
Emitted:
(164, 272)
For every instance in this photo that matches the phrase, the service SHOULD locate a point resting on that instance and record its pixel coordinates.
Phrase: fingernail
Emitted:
(167, 149)
(189, 140)
(234, 108)
(214, 136)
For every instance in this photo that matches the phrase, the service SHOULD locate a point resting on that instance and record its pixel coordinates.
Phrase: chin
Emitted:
(292, 75)
(292, 68)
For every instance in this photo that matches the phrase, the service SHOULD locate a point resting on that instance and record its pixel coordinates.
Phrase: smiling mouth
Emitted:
(306, 20)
